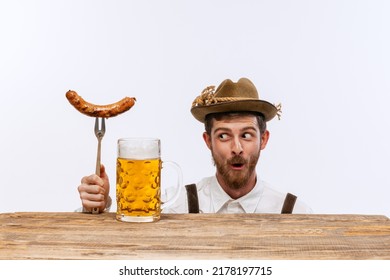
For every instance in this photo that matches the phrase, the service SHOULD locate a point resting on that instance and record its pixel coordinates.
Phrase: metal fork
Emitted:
(99, 132)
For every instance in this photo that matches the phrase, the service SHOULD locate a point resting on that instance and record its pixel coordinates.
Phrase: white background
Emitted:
(327, 62)
(110, 269)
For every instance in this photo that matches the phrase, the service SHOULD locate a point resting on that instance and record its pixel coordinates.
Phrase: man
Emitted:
(235, 132)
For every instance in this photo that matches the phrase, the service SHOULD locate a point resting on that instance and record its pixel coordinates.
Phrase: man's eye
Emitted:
(247, 135)
(223, 136)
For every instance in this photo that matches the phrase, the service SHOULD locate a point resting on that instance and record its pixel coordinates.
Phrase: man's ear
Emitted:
(264, 140)
(207, 139)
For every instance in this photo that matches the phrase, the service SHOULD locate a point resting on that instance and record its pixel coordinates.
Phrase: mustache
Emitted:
(236, 160)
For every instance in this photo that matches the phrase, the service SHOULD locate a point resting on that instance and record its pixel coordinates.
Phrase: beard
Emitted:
(236, 179)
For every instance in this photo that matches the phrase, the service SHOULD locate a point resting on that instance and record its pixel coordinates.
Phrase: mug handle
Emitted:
(178, 186)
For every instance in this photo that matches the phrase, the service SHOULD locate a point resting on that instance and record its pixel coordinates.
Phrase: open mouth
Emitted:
(237, 163)
(237, 166)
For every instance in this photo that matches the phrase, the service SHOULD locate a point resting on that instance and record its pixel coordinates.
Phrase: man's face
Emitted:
(235, 145)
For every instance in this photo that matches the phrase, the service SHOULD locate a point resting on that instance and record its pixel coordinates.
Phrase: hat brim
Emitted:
(260, 106)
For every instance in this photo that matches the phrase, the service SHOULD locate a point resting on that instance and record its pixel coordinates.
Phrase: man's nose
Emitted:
(237, 147)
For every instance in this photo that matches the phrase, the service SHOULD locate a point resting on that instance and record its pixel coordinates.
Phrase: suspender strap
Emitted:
(289, 203)
(193, 203)
(192, 197)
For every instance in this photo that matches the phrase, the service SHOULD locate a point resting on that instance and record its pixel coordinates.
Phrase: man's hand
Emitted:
(94, 191)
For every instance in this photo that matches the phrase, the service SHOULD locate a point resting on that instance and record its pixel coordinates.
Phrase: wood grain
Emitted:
(194, 236)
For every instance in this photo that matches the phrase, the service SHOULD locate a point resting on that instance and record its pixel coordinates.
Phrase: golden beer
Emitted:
(138, 180)
(138, 189)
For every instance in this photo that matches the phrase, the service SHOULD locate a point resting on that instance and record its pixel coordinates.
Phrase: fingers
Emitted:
(92, 200)
(92, 180)
(93, 193)
(94, 190)
(104, 176)
(102, 169)
(92, 197)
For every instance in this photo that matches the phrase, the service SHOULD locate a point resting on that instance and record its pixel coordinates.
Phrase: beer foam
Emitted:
(139, 148)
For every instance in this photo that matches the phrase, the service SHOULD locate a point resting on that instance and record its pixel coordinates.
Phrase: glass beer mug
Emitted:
(138, 180)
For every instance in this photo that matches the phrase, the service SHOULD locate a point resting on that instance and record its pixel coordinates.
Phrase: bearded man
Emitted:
(236, 132)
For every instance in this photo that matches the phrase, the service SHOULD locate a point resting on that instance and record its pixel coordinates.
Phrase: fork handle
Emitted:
(95, 210)
(97, 171)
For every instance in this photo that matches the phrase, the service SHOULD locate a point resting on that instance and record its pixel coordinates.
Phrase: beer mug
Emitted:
(138, 180)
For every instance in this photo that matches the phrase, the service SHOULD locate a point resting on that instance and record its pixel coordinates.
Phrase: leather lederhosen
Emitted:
(193, 202)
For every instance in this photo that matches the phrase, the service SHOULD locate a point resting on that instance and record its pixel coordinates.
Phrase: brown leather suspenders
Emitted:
(192, 198)
(288, 204)
(193, 203)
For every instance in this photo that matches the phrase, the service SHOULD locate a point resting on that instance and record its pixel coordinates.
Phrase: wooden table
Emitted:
(194, 236)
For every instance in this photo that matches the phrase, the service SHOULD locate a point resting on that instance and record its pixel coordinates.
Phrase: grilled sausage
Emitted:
(101, 111)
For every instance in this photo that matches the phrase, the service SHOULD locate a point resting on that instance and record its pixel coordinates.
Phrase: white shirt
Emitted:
(213, 199)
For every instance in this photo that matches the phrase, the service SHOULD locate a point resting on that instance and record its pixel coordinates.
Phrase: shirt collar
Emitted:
(248, 202)
(218, 196)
